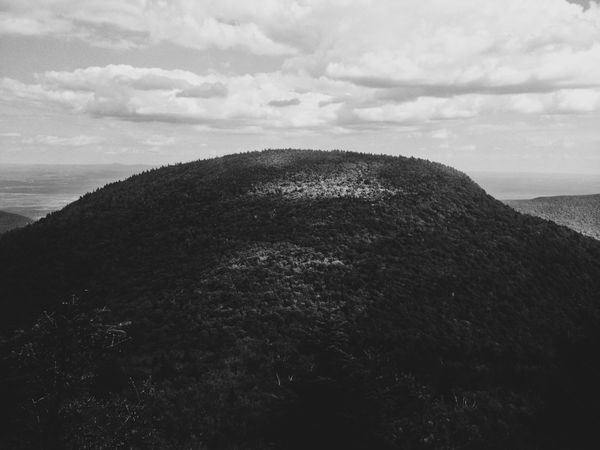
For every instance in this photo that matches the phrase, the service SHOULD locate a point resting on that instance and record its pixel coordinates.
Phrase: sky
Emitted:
(482, 85)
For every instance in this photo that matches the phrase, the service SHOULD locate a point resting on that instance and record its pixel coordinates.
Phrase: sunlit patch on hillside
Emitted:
(282, 256)
(314, 186)
(281, 272)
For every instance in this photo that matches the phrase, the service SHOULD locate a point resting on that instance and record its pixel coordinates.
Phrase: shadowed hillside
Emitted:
(579, 212)
(300, 299)
(8, 221)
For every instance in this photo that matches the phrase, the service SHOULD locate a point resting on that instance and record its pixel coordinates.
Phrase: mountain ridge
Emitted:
(295, 299)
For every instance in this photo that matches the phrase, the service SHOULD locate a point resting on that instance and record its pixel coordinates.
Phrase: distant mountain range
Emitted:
(579, 212)
(524, 186)
(292, 299)
(8, 221)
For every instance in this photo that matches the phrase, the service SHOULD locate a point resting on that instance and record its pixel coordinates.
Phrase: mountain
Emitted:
(8, 221)
(299, 299)
(579, 212)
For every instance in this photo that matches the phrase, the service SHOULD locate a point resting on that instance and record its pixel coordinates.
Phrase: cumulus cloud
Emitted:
(495, 47)
(345, 63)
(175, 96)
(372, 42)
(204, 90)
(568, 101)
(423, 109)
(265, 100)
(127, 24)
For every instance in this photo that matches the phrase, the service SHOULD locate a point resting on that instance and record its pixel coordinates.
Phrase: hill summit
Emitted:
(307, 299)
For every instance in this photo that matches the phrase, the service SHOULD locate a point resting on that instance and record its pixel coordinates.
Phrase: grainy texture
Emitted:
(299, 299)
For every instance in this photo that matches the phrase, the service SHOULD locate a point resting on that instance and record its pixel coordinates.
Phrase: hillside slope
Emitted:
(304, 299)
(8, 221)
(579, 212)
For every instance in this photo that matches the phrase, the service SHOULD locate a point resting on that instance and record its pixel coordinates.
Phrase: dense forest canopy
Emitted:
(579, 212)
(302, 299)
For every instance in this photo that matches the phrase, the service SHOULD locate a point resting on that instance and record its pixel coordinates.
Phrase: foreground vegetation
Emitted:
(299, 299)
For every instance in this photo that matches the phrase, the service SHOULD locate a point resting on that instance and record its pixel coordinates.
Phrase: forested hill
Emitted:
(8, 221)
(579, 212)
(305, 299)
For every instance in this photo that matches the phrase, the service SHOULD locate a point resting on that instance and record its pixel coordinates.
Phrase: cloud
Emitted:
(262, 101)
(384, 43)
(423, 109)
(95, 78)
(567, 101)
(284, 102)
(151, 81)
(179, 97)
(204, 90)
(158, 140)
(507, 46)
(442, 133)
(124, 25)
(63, 141)
(349, 64)
(585, 3)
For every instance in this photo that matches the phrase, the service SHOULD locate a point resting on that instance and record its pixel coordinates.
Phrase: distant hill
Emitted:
(579, 212)
(8, 221)
(292, 299)
(527, 185)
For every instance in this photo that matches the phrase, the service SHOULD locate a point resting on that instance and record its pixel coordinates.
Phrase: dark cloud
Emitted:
(182, 119)
(390, 90)
(122, 110)
(284, 103)
(584, 3)
(408, 91)
(332, 101)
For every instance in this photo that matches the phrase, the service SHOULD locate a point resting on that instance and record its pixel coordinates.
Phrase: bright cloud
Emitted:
(176, 96)
(127, 24)
(359, 60)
